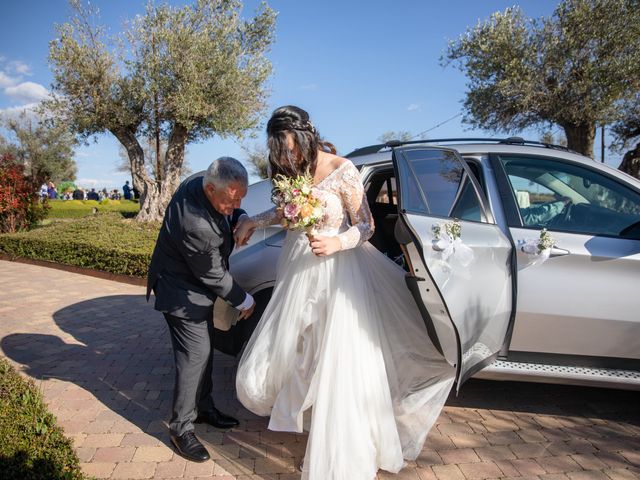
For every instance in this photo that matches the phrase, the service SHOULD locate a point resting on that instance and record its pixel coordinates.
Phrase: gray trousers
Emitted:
(192, 342)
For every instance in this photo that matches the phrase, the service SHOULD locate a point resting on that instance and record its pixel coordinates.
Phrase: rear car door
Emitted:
(464, 293)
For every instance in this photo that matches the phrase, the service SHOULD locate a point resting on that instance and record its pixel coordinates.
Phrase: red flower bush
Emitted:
(20, 207)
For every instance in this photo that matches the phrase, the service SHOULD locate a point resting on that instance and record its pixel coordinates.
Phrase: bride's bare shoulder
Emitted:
(335, 161)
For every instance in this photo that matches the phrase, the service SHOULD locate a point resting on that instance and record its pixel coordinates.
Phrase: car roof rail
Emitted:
(507, 141)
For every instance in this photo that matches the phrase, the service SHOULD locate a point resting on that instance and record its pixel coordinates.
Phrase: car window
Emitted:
(468, 205)
(566, 197)
(388, 192)
(436, 183)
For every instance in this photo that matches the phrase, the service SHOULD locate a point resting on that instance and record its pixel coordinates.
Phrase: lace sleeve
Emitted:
(264, 219)
(355, 202)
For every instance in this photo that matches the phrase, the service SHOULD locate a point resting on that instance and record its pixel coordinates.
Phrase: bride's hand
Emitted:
(323, 246)
(243, 231)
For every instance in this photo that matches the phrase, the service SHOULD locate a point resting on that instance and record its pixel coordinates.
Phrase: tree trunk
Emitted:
(631, 162)
(141, 180)
(580, 137)
(155, 194)
(169, 173)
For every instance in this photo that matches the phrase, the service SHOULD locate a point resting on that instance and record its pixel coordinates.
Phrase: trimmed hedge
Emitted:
(85, 208)
(32, 446)
(105, 242)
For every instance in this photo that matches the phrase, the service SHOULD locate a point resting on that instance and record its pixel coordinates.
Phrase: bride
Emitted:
(341, 338)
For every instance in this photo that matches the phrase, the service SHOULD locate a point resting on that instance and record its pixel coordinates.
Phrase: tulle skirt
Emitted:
(342, 334)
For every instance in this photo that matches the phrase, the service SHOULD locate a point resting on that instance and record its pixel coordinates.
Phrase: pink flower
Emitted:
(291, 210)
(295, 192)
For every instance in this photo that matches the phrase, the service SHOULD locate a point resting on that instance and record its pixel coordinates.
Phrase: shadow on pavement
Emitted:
(121, 354)
(550, 399)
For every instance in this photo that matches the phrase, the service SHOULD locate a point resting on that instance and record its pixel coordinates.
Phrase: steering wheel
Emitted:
(563, 217)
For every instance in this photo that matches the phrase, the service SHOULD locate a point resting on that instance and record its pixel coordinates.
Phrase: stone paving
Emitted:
(102, 358)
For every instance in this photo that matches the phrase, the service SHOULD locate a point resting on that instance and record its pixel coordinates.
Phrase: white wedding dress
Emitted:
(342, 334)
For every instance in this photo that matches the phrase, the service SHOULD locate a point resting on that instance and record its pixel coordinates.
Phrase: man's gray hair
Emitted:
(224, 171)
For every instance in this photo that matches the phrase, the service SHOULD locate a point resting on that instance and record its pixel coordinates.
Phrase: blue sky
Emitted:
(360, 68)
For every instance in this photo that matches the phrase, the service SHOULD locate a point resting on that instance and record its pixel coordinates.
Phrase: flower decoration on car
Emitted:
(448, 244)
(540, 247)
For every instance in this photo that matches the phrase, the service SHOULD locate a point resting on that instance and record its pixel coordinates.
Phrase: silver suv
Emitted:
(507, 310)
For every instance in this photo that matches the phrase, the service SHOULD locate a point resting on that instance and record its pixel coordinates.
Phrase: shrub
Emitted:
(32, 446)
(20, 207)
(66, 187)
(105, 242)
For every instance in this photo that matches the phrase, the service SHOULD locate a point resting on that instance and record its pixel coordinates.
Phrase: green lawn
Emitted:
(85, 208)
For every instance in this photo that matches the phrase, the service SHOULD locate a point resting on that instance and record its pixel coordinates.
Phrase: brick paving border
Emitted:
(102, 357)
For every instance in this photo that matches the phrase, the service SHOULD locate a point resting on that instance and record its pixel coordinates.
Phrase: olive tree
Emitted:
(258, 158)
(400, 135)
(627, 132)
(43, 146)
(177, 75)
(571, 69)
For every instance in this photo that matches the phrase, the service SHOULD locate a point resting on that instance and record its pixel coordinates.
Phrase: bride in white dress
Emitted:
(342, 336)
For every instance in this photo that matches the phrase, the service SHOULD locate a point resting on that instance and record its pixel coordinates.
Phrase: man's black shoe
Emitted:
(217, 419)
(190, 447)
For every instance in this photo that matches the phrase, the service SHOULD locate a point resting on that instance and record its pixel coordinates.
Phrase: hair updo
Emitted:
(293, 120)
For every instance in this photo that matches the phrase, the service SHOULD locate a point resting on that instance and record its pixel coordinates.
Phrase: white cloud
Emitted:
(20, 67)
(14, 113)
(310, 86)
(6, 80)
(27, 91)
(413, 107)
(95, 183)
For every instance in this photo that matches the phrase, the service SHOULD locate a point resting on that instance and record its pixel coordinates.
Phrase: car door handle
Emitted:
(555, 252)
(437, 247)
(558, 252)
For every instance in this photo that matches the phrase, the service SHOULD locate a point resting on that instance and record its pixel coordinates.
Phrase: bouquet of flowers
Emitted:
(300, 208)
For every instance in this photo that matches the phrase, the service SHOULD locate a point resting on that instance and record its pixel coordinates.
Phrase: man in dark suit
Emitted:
(188, 272)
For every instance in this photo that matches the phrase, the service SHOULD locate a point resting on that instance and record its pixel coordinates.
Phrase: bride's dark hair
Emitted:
(293, 120)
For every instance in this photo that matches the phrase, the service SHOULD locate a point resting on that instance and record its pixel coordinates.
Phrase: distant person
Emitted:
(51, 191)
(93, 195)
(115, 195)
(44, 191)
(126, 190)
(136, 194)
(78, 194)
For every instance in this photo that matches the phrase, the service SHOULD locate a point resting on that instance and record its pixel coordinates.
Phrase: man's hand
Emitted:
(247, 313)
(323, 246)
(243, 231)
(563, 199)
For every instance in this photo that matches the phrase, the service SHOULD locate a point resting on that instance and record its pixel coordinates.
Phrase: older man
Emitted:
(188, 272)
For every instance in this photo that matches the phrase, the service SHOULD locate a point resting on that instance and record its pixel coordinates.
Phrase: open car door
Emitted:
(462, 284)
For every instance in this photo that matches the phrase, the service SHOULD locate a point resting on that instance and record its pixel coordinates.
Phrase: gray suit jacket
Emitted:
(190, 264)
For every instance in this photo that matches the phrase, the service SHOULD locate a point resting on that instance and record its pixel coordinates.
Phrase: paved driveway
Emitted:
(103, 359)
